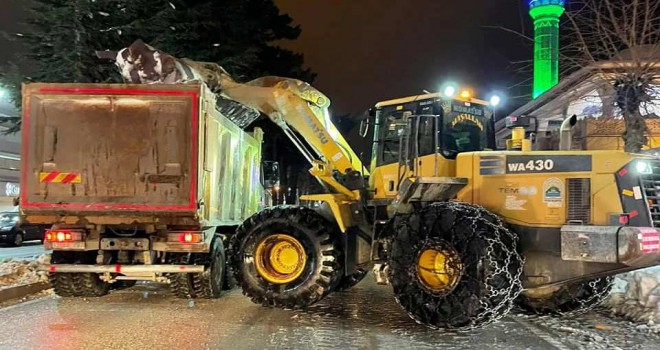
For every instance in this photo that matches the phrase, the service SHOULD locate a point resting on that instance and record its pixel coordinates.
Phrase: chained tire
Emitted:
(286, 257)
(454, 266)
(76, 284)
(569, 300)
(205, 285)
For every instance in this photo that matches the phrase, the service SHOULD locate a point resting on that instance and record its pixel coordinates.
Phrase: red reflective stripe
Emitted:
(117, 268)
(191, 206)
(52, 268)
(623, 172)
(182, 267)
(50, 177)
(70, 177)
(633, 213)
(116, 91)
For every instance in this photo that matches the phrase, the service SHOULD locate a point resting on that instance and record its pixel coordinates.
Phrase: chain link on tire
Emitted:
(490, 264)
(569, 300)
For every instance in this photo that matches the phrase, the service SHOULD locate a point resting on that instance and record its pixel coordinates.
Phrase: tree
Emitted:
(62, 36)
(627, 35)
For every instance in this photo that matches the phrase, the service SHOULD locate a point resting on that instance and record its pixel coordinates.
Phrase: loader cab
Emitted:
(422, 135)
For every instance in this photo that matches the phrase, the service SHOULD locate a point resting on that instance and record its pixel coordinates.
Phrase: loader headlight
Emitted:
(643, 167)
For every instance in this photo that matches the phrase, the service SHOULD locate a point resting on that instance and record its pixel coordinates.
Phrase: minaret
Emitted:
(546, 14)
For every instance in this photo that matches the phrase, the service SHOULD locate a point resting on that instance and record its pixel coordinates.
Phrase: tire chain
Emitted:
(599, 294)
(510, 292)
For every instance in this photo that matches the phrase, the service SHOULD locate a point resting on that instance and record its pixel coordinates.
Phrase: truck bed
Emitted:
(110, 148)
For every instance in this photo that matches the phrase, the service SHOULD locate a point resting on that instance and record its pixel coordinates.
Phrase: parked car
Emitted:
(13, 233)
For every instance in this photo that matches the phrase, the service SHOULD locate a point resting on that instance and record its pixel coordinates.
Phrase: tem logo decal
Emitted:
(553, 195)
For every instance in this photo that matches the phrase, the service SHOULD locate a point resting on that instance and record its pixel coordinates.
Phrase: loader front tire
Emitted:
(569, 300)
(454, 266)
(286, 257)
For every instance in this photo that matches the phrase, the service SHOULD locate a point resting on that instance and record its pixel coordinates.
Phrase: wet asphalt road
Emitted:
(28, 250)
(147, 317)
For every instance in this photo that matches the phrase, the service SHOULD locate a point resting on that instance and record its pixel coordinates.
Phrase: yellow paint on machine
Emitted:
(628, 193)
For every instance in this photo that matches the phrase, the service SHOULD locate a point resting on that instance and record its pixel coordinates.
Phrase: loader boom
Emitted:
(296, 106)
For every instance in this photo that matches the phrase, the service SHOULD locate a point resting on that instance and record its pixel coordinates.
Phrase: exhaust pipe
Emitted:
(566, 133)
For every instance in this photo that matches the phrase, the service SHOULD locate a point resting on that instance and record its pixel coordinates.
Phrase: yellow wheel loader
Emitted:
(459, 230)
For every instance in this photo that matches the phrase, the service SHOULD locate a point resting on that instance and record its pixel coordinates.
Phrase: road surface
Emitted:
(366, 317)
(28, 250)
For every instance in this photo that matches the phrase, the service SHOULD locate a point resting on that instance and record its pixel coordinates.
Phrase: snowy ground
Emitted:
(20, 272)
(636, 295)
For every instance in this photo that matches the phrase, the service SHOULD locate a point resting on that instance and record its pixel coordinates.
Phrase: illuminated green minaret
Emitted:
(546, 14)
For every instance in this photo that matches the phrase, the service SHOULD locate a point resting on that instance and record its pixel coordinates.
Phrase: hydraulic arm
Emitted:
(296, 106)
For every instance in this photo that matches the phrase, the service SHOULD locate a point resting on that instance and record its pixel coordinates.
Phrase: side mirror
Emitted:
(270, 174)
(364, 127)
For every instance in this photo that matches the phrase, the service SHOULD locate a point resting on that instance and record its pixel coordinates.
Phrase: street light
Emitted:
(449, 91)
(495, 100)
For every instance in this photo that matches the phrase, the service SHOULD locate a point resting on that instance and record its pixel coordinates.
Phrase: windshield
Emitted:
(8, 217)
(465, 128)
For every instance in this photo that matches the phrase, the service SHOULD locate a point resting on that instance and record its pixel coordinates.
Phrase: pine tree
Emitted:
(63, 35)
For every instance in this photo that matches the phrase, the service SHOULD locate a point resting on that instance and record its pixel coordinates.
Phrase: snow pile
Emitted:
(636, 295)
(15, 273)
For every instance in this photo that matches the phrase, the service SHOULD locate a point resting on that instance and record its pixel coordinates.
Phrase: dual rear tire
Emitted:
(76, 284)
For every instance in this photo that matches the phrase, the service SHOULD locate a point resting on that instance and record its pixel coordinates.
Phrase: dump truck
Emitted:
(137, 182)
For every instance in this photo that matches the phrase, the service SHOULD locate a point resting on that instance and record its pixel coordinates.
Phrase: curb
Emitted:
(22, 291)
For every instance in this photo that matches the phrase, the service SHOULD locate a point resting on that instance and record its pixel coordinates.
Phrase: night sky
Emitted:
(371, 50)
(366, 51)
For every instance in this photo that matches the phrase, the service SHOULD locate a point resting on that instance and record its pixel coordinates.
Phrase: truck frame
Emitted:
(138, 182)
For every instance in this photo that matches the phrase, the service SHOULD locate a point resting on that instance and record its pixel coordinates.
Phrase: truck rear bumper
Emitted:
(627, 245)
(131, 269)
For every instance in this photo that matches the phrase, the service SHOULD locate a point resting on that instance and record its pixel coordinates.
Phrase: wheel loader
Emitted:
(462, 232)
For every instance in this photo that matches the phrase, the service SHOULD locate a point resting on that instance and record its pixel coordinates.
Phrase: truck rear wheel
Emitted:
(286, 257)
(76, 284)
(568, 300)
(205, 285)
(454, 266)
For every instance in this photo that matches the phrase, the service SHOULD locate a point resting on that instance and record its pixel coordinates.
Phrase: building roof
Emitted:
(581, 82)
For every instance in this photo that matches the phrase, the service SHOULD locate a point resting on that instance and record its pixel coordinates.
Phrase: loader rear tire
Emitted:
(301, 233)
(569, 300)
(475, 269)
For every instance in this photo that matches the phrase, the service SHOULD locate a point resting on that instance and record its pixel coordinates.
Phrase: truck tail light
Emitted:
(186, 237)
(63, 236)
